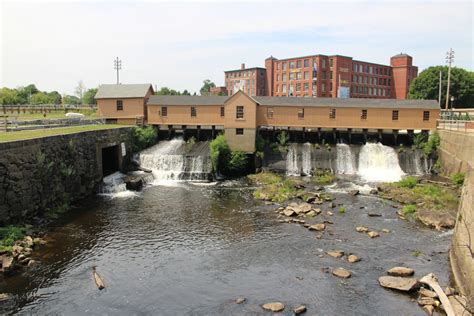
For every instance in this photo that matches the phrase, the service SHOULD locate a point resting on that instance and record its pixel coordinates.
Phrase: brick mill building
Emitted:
(325, 76)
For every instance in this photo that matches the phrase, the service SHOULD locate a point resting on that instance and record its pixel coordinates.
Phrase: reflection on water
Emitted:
(190, 250)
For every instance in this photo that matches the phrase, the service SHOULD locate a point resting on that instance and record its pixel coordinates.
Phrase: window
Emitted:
(283, 76)
(284, 66)
(323, 63)
(298, 87)
(222, 111)
(278, 77)
(292, 64)
(298, 64)
(119, 105)
(306, 86)
(426, 115)
(283, 88)
(239, 131)
(332, 113)
(395, 115)
(306, 75)
(298, 76)
(269, 112)
(323, 88)
(193, 111)
(300, 113)
(363, 115)
(278, 66)
(292, 75)
(164, 111)
(239, 113)
(330, 75)
(306, 63)
(330, 62)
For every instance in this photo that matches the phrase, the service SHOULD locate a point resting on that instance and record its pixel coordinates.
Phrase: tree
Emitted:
(426, 86)
(54, 97)
(167, 91)
(40, 98)
(89, 96)
(185, 92)
(80, 88)
(70, 99)
(206, 87)
(9, 96)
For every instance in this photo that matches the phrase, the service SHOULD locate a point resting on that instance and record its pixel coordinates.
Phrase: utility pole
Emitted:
(440, 84)
(449, 60)
(117, 66)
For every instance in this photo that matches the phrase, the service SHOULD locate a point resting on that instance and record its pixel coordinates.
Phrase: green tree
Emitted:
(89, 96)
(70, 100)
(9, 96)
(41, 98)
(220, 152)
(426, 86)
(54, 97)
(206, 87)
(167, 91)
(185, 92)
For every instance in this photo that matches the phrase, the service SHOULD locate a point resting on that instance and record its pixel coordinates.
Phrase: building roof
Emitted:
(251, 68)
(186, 100)
(297, 102)
(112, 91)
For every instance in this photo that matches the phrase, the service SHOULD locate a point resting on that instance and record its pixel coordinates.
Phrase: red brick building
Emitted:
(326, 76)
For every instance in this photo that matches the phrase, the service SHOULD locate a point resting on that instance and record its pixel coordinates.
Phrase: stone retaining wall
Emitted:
(457, 155)
(48, 174)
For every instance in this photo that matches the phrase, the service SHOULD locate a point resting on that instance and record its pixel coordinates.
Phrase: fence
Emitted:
(45, 108)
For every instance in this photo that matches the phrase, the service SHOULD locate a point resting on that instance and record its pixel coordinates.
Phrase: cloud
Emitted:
(180, 44)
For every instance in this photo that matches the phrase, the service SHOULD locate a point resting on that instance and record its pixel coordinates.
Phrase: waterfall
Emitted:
(345, 163)
(292, 161)
(379, 163)
(114, 186)
(176, 160)
(307, 169)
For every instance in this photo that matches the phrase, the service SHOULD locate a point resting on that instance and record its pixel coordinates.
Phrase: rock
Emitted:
(341, 273)
(429, 309)
(354, 192)
(16, 250)
(362, 229)
(25, 260)
(281, 221)
(274, 306)
(426, 301)
(332, 205)
(306, 225)
(374, 191)
(32, 263)
(398, 283)
(289, 212)
(330, 213)
(299, 310)
(240, 300)
(401, 271)
(353, 258)
(28, 241)
(318, 227)
(435, 219)
(385, 230)
(427, 293)
(311, 213)
(325, 269)
(374, 215)
(4, 297)
(335, 253)
(449, 291)
(7, 263)
(373, 234)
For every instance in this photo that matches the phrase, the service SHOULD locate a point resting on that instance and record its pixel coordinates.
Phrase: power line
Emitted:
(117, 66)
(449, 60)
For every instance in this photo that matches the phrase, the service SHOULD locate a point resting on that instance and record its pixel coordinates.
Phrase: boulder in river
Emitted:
(353, 258)
(385, 230)
(289, 212)
(274, 306)
(299, 310)
(427, 293)
(373, 234)
(362, 229)
(28, 241)
(422, 301)
(401, 271)
(311, 213)
(4, 297)
(318, 227)
(354, 192)
(399, 283)
(335, 253)
(341, 273)
(7, 263)
(240, 300)
(435, 219)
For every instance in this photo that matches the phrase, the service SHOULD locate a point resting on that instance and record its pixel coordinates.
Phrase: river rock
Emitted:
(4, 297)
(374, 215)
(289, 212)
(28, 241)
(429, 309)
(435, 219)
(427, 293)
(240, 300)
(385, 230)
(398, 283)
(318, 227)
(353, 258)
(362, 229)
(426, 301)
(354, 192)
(32, 263)
(373, 234)
(311, 213)
(330, 213)
(335, 253)
(401, 271)
(299, 310)
(274, 306)
(7, 263)
(21, 257)
(341, 273)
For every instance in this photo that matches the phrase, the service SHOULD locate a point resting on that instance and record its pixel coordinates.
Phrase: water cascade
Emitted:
(176, 160)
(306, 160)
(292, 161)
(114, 186)
(379, 163)
(345, 163)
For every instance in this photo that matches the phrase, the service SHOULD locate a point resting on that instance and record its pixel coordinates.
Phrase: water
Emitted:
(175, 160)
(292, 168)
(191, 250)
(113, 186)
(379, 163)
(307, 169)
(345, 163)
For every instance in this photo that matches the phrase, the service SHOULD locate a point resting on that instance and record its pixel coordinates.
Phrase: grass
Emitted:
(274, 187)
(323, 177)
(21, 135)
(416, 253)
(409, 210)
(53, 115)
(458, 179)
(408, 182)
(8, 236)
(342, 210)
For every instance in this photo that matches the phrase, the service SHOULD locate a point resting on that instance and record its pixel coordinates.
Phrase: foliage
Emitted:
(70, 99)
(273, 187)
(40, 98)
(458, 179)
(206, 87)
(409, 210)
(283, 138)
(143, 137)
(323, 177)
(8, 236)
(342, 210)
(419, 140)
(168, 91)
(220, 151)
(89, 96)
(432, 144)
(426, 86)
(237, 164)
(260, 143)
(408, 182)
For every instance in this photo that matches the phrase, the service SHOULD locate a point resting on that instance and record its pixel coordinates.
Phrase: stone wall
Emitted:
(47, 174)
(457, 155)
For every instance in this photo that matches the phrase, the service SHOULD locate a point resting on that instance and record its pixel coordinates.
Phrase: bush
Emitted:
(323, 177)
(8, 236)
(419, 140)
(260, 143)
(408, 182)
(409, 210)
(458, 179)
(220, 151)
(283, 138)
(432, 144)
(143, 137)
(237, 164)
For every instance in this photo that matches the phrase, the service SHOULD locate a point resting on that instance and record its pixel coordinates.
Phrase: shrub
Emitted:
(409, 210)
(143, 137)
(283, 138)
(323, 177)
(260, 143)
(458, 179)
(342, 210)
(419, 140)
(408, 182)
(432, 144)
(220, 151)
(8, 236)
(237, 164)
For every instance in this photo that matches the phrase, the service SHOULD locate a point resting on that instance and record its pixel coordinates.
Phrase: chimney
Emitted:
(242, 66)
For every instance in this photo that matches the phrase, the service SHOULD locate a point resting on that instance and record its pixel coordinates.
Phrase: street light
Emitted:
(452, 102)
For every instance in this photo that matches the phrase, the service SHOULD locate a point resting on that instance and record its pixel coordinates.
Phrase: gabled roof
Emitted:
(186, 100)
(112, 91)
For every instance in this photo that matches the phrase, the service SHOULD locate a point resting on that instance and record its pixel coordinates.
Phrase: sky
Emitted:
(56, 44)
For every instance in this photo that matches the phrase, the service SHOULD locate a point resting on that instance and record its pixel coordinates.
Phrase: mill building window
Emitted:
(426, 115)
(164, 111)
(306, 63)
(239, 131)
(332, 113)
(269, 112)
(363, 114)
(301, 113)
(222, 111)
(119, 105)
(193, 111)
(298, 64)
(239, 113)
(395, 115)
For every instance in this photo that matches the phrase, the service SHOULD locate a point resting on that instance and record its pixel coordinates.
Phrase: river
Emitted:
(190, 249)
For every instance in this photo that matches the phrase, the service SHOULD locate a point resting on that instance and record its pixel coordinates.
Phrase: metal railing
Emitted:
(45, 108)
(456, 125)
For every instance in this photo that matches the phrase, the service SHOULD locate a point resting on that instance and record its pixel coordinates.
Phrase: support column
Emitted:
(170, 127)
(198, 133)
(349, 134)
(364, 133)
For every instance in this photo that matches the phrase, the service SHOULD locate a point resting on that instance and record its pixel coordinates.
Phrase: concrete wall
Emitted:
(48, 173)
(457, 155)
